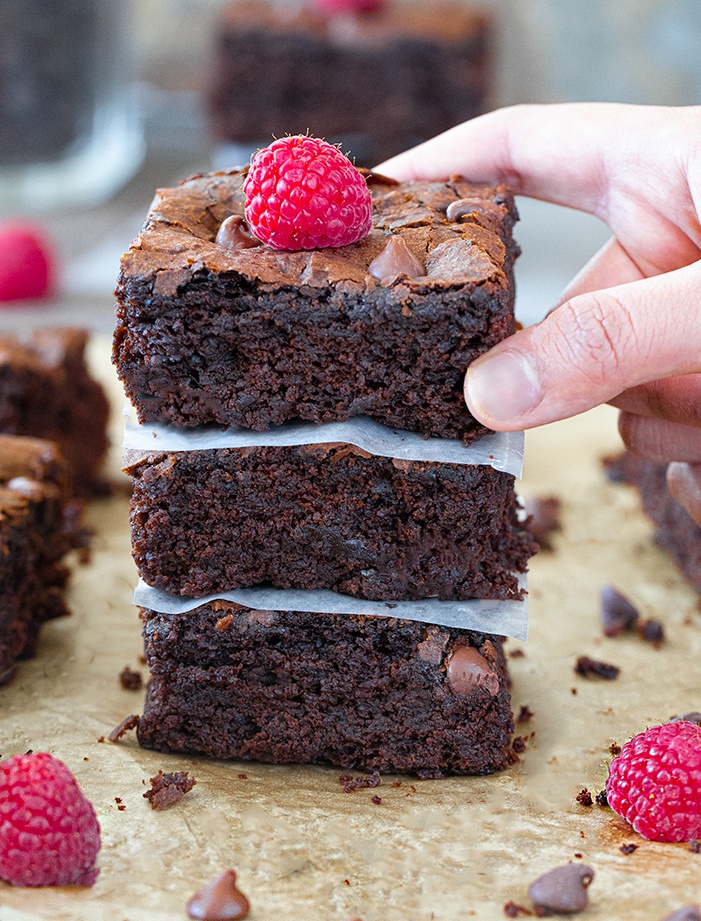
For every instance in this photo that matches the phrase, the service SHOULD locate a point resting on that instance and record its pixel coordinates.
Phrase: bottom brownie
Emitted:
(38, 525)
(676, 531)
(369, 693)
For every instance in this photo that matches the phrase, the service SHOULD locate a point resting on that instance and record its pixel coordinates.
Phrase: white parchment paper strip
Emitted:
(506, 618)
(501, 450)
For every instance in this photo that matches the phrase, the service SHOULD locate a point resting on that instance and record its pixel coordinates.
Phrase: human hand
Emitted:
(627, 330)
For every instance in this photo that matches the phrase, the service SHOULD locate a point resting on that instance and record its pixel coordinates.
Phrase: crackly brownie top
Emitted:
(31, 470)
(47, 349)
(456, 230)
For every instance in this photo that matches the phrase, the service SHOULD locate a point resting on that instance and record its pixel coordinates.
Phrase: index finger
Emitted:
(551, 152)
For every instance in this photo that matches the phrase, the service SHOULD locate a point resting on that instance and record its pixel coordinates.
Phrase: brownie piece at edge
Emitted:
(379, 82)
(325, 516)
(676, 532)
(257, 337)
(373, 694)
(39, 523)
(47, 391)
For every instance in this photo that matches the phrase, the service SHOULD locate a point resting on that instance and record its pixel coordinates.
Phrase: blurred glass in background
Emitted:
(69, 126)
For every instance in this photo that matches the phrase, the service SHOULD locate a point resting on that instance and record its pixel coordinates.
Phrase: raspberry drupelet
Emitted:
(303, 193)
(655, 782)
(49, 833)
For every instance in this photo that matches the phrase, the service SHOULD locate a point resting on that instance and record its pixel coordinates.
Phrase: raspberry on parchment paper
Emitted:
(49, 833)
(655, 782)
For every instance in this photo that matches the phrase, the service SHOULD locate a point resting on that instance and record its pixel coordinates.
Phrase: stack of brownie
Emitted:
(215, 330)
(39, 523)
(378, 78)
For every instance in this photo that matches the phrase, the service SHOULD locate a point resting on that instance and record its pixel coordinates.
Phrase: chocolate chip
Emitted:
(394, 260)
(651, 631)
(562, 889)
(617, 612)
(693, 716)
(543, 519)
(587, 668)
(475, 208)
(234, 233)
(467, 670)
(688, 913)
(220, 900)
(695, 846)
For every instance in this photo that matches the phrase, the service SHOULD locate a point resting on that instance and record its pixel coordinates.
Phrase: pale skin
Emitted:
(627, 330)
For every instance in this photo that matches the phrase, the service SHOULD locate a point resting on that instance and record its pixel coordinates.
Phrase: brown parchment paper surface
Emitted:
(441, 850)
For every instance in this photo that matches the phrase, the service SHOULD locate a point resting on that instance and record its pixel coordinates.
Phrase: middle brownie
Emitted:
(325, 516)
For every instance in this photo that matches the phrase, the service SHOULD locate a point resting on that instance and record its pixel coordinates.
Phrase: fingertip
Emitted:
(684, 483)
(501, 389)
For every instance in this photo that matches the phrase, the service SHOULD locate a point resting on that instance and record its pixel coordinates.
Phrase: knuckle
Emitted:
(598, 335)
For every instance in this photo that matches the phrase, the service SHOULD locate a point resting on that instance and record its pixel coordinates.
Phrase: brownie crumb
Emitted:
(651, 631)
(525, 714)
(693, 716)
(167, 789)
(601, 799)
(350, 784)
(396, 783)
(628, 848)
(587, 668)
(512, 910)
(376, 800)
(243, 776)
(695, 846)
(543, 519)
(615, 749)
(584, 798)
(517, 654)
(519, 745)
(130, 679)
(222, 624)
(127, 724)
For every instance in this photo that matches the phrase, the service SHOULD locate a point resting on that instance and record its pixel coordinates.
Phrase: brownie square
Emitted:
(325, 516)
(255, 337)
(368, 693)
(47, 391)
(379, 81)
(39, 523)
(676, 532)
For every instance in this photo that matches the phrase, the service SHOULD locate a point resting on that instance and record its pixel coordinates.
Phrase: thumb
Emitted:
(591, 348)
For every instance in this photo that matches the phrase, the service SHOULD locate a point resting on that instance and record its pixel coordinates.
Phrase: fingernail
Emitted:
(684, 483)
(502, 387)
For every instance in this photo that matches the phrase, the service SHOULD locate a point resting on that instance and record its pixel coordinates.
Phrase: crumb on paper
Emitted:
(130, 679)
(167, 789)
(588, 668)
(127, 724)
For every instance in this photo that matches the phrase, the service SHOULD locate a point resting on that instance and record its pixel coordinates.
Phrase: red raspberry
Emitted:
(655, 782)
(303, 193)
(26, 264)
(49, 833)
(348, 6)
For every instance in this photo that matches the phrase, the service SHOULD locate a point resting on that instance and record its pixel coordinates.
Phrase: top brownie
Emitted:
(242, 335)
